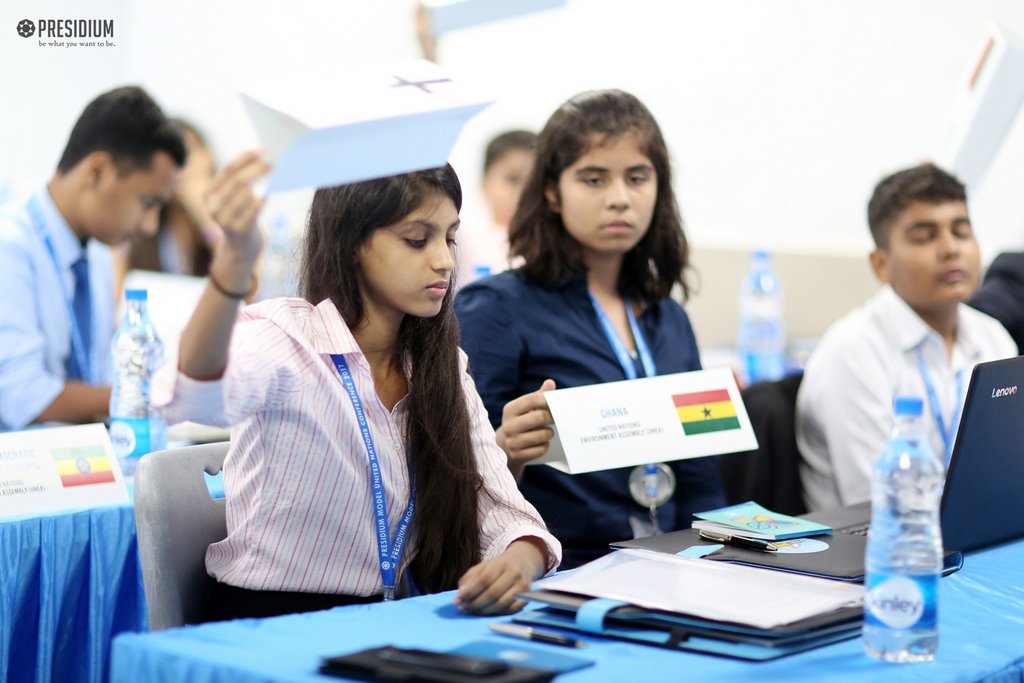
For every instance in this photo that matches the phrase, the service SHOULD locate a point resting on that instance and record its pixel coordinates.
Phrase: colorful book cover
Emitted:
(755, 521)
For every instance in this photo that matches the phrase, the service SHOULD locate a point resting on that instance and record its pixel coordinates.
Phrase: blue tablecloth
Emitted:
(69, 582)
(981, 621)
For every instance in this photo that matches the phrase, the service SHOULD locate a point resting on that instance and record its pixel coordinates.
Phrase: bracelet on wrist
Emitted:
(233, 295)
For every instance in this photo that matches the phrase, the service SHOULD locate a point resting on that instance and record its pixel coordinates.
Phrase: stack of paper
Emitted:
(754, 521)
(723, 592)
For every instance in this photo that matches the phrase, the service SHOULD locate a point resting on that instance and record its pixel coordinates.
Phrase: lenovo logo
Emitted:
(1004, 391)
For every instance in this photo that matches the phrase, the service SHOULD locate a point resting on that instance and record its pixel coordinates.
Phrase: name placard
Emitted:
(653, 419)
(58, 468)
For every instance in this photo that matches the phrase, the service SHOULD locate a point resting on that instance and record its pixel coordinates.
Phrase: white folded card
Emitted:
(653, 419)
(58, 468)
(449, 15)
(325, 129)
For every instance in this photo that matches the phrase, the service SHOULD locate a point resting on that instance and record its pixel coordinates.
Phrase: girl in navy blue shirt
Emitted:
(600, 234)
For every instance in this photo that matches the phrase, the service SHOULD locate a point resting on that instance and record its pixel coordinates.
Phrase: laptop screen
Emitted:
(985, 480)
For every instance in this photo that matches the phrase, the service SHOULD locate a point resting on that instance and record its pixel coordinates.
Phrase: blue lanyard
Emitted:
(625, 360)
(77, 343)
(936, 407)
(629, 367)
(387, 554)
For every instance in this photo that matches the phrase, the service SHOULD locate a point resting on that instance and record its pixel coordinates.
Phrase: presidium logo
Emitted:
(69, 32)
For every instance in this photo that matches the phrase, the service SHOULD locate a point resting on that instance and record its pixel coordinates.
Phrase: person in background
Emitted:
(602, 245)
(1001, 294)
(363, 374)
(915, 337)
(56, 313)
(183, 242)
(508, 158)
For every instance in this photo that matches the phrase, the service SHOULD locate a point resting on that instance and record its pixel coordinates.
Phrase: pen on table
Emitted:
(529, 633)
(738, 541)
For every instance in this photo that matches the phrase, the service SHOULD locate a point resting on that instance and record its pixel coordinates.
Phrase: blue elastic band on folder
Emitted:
(699, 551)
(590, 615)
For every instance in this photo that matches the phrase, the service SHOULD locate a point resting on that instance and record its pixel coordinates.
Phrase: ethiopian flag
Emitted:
(706, 411)
(82, 465)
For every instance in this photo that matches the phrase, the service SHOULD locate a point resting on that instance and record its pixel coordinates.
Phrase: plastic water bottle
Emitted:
(904, 551)
(135, 428)
(277, 270)
(761, 341)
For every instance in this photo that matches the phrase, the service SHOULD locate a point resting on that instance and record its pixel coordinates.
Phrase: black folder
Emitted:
(693, 633)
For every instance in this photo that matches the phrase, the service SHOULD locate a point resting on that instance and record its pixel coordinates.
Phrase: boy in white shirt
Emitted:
(915, 336)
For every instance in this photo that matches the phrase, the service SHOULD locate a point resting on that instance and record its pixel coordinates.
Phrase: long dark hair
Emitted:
(341, 219)
(657, 263)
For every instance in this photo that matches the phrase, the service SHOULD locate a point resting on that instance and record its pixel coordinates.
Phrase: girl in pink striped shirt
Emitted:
(355, 426)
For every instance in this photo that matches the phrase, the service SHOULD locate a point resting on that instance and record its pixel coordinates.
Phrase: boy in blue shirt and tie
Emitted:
(56, 314)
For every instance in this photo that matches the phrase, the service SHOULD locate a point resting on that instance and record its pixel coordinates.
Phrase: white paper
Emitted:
(325, 129)
(996, 97)
(621, 424)
(711, 590)
(450, 15)
(50, 469)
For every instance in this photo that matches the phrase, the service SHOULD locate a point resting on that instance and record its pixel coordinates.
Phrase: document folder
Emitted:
(690, 633)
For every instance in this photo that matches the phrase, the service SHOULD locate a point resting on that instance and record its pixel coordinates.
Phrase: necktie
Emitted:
(83, 320)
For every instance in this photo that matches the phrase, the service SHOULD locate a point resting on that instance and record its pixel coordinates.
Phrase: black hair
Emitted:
(657, 263)
(129, 125)
(341, 219)
(505, 143)
(923, 183)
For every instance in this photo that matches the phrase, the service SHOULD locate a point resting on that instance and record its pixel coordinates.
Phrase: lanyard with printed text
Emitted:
(933, 402)
(77, 340)
(650, 470)
(626, 360)
(389, 554)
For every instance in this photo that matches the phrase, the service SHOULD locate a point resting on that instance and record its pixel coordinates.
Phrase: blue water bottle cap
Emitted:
(911, 406)
(761, 255)
(135, 294)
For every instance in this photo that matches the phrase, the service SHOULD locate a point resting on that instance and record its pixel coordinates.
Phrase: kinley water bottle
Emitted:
(904, 550)
(135, 427)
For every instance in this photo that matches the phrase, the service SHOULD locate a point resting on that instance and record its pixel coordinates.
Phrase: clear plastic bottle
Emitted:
(277, 269)
(761, 340)
(904, 550)
(135, 427)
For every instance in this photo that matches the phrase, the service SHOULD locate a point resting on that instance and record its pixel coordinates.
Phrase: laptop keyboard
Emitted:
(855, 529)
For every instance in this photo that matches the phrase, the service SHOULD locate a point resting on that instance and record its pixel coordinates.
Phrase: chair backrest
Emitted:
(177, 520)
(771, 474)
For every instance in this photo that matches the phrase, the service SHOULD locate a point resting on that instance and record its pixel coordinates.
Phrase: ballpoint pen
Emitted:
(529, 633)
(738, 541)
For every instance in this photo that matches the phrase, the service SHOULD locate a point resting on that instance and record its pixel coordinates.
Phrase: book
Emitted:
(755, 521)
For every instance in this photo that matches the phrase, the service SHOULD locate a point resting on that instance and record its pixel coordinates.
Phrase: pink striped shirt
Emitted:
(299, 505)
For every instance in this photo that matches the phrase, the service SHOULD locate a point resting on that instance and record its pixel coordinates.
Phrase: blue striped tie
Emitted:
(83, 319)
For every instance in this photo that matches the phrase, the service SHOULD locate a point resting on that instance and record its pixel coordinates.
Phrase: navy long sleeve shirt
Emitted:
(518, 333)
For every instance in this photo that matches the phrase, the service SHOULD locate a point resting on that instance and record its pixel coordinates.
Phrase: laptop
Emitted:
(978, 509)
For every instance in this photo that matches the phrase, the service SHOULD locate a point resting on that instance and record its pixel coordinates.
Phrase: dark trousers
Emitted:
(230, 602)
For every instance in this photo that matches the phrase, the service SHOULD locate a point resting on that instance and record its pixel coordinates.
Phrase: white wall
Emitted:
(781, 115)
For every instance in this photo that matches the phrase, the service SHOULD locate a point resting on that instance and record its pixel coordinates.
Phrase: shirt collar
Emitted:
(910, 330)
(65, 242)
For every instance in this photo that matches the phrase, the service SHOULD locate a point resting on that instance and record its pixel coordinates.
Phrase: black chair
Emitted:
(771, 474)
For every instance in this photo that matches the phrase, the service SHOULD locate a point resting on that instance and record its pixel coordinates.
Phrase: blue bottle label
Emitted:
(901, 602)
(130, 436)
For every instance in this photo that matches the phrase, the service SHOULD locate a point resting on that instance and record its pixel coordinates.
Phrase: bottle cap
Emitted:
(135, 294)
(912, 406)
(761, 255)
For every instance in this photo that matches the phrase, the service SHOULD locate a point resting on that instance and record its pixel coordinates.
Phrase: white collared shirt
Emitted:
(35, 322)
(299, 504)
(844, 407)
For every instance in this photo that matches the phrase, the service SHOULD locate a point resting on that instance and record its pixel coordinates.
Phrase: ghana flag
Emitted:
(82, 465)
(706, 411)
